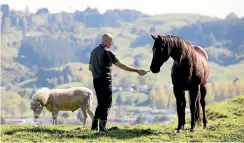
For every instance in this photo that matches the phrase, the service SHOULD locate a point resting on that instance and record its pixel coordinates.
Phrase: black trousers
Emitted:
(103, 88)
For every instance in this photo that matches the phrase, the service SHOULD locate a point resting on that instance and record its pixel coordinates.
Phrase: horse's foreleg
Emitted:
(193, 98)
(183, 110)
(203, 90)
(181, 103)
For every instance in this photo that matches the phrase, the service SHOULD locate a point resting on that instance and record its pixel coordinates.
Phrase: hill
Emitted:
(34, 42)
(53, 49)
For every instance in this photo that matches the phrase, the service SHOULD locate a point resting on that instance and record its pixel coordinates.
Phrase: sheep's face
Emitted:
(36, 108)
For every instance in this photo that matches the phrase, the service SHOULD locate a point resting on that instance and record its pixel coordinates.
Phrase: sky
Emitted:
(218, 8)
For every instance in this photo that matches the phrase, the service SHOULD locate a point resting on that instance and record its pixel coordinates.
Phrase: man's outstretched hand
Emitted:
(141, 72)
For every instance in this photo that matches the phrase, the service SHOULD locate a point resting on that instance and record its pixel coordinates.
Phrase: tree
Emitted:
(80, 115)
(27, 9)
(10, 104)
(23, 106)
(170, 94)
(136, 62)
(125, 81)
(42, 11)
(7, 25)
(5, 10)
(152, 29)
(140, 119)
(137, 101)
(65, 115)
(25, 24)
(128, 101)
(119, 100)
(212, 39)
(162, 98)
(141, 80)
(153, 97)
(232, 16)
(2, 120)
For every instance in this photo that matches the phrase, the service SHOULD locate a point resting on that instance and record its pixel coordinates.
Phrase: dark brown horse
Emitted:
(189, 73)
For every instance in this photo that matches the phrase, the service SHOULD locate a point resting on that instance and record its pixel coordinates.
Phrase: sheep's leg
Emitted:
(55, 114)
(56, 121)
(84, 111)
(53, 117)
(90, 113)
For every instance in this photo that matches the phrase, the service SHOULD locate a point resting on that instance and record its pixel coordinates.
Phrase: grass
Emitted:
(225, 125)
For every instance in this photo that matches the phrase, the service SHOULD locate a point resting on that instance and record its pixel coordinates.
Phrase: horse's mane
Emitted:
(179, 44)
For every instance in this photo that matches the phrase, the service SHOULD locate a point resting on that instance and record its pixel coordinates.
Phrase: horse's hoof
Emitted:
(182, 127)
(192, 130)
(205, 126)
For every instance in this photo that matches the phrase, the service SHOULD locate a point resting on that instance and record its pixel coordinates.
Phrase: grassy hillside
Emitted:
(84, 38)
(226, 121)
(218, 74)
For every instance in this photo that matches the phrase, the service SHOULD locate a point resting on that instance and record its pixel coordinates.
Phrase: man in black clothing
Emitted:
(100, 64)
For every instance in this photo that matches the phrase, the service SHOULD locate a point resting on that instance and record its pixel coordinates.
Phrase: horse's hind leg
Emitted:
(181, 104)
(203, 90)
(193, 99)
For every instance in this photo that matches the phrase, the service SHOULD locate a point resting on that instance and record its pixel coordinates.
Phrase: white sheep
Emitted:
(56, 100)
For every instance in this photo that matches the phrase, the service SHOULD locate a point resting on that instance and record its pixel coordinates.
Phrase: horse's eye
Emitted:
(162, 49)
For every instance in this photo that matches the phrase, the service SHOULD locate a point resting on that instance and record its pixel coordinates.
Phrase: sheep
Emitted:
(56, 100)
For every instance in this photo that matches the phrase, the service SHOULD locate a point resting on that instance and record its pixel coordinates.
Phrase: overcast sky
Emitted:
(219, 8)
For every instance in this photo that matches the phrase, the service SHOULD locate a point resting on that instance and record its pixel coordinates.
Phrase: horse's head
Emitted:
(161, 53)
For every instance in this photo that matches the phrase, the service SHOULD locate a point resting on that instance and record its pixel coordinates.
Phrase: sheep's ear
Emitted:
(153, 37)
(41, 103)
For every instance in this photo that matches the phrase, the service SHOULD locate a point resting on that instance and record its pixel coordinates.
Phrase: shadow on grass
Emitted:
(120, 133)
(34, 130)
(116, 133)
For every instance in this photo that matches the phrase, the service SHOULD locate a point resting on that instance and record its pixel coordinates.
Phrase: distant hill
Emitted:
(223, 39)
(32, 42)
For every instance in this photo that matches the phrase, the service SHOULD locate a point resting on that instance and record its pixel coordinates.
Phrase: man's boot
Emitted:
(102, 126)
(94, 124)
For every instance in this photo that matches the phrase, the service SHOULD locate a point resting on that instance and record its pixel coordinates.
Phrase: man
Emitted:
(100, 64)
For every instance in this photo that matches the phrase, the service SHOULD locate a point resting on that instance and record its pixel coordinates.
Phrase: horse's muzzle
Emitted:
(155, 70)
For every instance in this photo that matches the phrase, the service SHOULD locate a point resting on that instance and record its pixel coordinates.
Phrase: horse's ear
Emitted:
(160, 37)
(153, 37)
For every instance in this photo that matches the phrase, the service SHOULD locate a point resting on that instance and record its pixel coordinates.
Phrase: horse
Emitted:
(189, 72)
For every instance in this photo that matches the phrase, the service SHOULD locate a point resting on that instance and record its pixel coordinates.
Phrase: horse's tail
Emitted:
(198, 118)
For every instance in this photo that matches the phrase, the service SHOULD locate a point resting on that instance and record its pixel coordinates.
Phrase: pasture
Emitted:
(226, 121)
